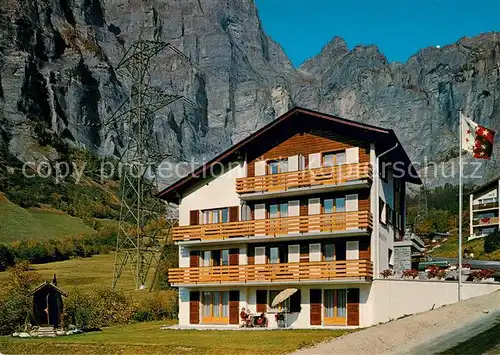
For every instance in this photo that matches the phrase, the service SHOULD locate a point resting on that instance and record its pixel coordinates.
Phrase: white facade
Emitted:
(484, 210)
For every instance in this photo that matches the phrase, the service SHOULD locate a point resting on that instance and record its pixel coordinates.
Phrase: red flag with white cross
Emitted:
(476, 139)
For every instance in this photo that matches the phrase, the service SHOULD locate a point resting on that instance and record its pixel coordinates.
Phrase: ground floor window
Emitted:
(334, 302)
(215, 307)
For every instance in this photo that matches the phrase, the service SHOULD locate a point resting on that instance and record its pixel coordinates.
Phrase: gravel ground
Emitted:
(423, 333)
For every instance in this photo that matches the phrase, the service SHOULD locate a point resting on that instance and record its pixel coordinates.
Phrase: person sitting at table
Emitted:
(262, 320)
(243, 317)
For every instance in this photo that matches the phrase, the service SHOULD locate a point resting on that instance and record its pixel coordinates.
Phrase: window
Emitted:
(278, 210)
(390, 258)
(277, 166)
(220, 215)
(329, 253)
(331, 205)
(390, 215)
(206, 257)
(335, 302)
(224, 260)
(332, 159)
(382, 212)
(274, 255)
(215, 307)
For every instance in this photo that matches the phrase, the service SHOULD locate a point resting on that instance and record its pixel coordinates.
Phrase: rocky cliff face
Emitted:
(59, 83)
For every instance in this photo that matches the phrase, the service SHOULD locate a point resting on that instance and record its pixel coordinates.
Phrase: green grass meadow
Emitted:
(148, 338)
(17, 223)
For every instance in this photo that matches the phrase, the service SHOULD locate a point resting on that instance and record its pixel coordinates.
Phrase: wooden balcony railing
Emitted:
(305, 178)
(332, 222)
(328, 270)
(483, 206)
(485, 221)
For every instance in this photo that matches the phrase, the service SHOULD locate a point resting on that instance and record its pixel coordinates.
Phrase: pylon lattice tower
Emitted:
(139, 241)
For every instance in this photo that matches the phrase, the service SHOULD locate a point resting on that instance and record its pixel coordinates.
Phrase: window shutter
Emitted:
(260, 211)
(352, 155)
(315, 252)
(261, 296)
(194, 217)
(234, 256)
(234, 306)
(353, 306)
(260, 168)
(314, 206)
(233, 214)
(260, 255)
(293, 208)
(293, 163)
(295, 301)
(314, 160)
(352, 250)
(194, 307)
(351, 202)
(294, 253)
(251, 255)
(315, 307)
(194, 259)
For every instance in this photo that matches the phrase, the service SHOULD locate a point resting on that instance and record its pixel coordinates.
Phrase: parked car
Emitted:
(424, 261)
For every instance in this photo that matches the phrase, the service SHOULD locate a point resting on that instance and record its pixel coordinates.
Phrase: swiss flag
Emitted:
(476, 139)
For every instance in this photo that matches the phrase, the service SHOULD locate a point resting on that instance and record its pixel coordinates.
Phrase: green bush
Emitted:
(158, 306)
(46, 251)
(101, 307)
(15, 303)
(492, 242)
(6, 258)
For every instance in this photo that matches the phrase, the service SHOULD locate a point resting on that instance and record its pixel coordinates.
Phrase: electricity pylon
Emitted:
(139, 242)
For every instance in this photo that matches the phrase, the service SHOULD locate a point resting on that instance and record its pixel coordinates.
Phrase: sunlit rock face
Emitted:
(60, 84)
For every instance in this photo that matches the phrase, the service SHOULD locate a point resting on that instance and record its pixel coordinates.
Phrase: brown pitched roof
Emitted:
(386, 139)
(48, 284)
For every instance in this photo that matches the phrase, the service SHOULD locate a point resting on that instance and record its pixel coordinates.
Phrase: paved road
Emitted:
(476, 264)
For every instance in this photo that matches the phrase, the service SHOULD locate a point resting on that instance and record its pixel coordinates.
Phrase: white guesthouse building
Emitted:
(296, 204)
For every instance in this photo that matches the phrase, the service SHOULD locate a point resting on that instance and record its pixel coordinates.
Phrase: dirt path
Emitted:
(422, 333)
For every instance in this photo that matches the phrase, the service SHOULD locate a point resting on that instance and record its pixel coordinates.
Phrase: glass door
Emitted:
(335, 307)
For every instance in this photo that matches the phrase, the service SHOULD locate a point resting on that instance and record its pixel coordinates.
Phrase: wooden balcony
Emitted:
(310, 271)
(332, 222)
(485, 206)
(485, 221)
(335, 175)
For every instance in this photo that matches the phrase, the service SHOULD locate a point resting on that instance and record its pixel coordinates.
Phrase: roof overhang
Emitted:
(384, 139)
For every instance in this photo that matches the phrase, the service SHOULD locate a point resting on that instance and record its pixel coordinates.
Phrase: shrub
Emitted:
(413, 273)
(386, 273)
(16, 304)
(6, 258)
(101, 307)
(492, 242)
(158, 306)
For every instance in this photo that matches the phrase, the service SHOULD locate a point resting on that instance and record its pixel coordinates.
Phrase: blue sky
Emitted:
(398, 28)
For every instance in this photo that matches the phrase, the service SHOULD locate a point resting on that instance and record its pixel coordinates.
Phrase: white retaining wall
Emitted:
(392, 299)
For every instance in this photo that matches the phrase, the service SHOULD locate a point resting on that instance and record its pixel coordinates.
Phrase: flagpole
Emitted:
(460, 207)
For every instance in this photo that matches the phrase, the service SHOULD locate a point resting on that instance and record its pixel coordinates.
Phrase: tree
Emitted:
(6, 258)
(492, 242)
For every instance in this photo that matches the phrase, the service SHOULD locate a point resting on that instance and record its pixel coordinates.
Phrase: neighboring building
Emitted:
(410, 246)
(484, 209)
(296, 204)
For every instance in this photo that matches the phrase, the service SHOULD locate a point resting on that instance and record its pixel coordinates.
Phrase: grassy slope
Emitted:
(87, 273)
(148, 338)
(449, 249)
(18, 223)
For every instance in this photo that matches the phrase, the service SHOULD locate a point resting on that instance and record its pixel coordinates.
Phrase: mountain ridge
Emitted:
(59, 83)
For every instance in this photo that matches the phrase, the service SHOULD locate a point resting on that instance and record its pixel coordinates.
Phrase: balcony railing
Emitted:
(305, 178)
(484, 206)
(328, 270)
(485, 221)
(332, 222)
